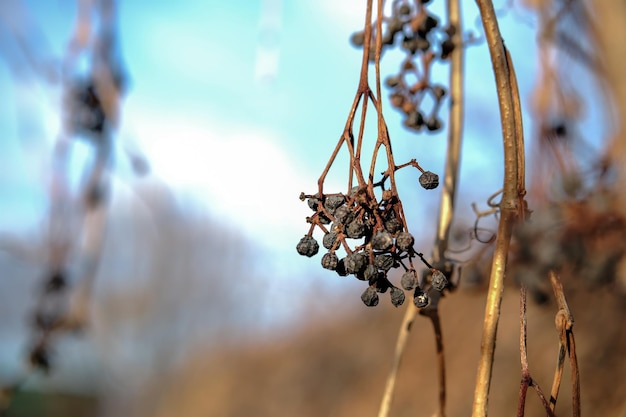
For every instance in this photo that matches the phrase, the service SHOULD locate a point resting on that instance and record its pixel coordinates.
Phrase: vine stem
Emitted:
(446, 211)
(509, 205)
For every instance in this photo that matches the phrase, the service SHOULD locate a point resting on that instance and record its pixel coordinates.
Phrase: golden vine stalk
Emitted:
(446, 211)
(510, 207)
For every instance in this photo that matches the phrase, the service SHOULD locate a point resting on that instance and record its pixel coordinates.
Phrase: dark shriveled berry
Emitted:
(408, 280)
(333, 202)
(369, 297)
(312, 202)
(439, 92)
(383, 262)
(355, 229)
(329, 240)
(330, 261)
(420, 299)
(355, 262)
(429, 180)
(40, 358)
(404, 241)
(404, 10)
(393, 226)
(392, 81)
(307, 246)
(343, 214)
(371, 273)
(439, 280)
(357, 39)
(323, 219)
(382, 283)
(397, 296)
(433, 124)
(341, 268)
(382, 240)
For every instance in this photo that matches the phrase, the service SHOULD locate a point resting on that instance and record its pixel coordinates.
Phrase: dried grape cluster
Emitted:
(374, 238)
(367, 223)
(420, 36)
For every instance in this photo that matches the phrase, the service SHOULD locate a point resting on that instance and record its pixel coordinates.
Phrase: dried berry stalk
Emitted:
(510, 208)
(371, 212)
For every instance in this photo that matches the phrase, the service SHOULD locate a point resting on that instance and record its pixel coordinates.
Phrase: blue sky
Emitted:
(238, 105)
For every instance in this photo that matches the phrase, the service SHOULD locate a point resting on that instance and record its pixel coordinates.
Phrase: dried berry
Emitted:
(420, 299)
(414, 120)
(433, 124)
(312, 202)
(429, 180)
(344, 215)
(341, 268)
(307, 246)
(369, 297)
(40, 358)
(330, 261)
(370, 274)
(323, 219)
(382, 283)
(394, 26)
(404, 241)
(447, 46)
(382, 240)
(56, 282)
(408, 280)
(439, 280)
(355, 262)
(355, 229)
(429, 23)
(329, 240)
(397, 296)
(439, 92)
(393, 225)
(384, 262)
(333, 202)
(392, 81)
(404, 9)
(357, 39)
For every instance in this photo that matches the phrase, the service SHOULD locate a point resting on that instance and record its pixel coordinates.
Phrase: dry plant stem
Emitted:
(527, 379)
(523, 354)
(446, 210)
(347, 135)
(509, 205)
(433, 315)
(564, 323)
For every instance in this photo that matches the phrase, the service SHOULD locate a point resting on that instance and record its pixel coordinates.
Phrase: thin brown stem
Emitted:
(527, 379)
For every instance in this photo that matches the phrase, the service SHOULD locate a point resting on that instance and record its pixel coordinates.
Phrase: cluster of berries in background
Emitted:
(374, 238)
(418, 34)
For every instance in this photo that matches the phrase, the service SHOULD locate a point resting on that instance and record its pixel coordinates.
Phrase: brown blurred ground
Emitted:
(338, 368)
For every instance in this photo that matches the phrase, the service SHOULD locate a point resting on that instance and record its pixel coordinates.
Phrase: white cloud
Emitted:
(239, 171)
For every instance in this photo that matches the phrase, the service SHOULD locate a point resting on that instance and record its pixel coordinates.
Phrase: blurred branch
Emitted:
(446, 212)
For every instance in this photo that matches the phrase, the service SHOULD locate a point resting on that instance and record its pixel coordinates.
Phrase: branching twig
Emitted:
(527, 379)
